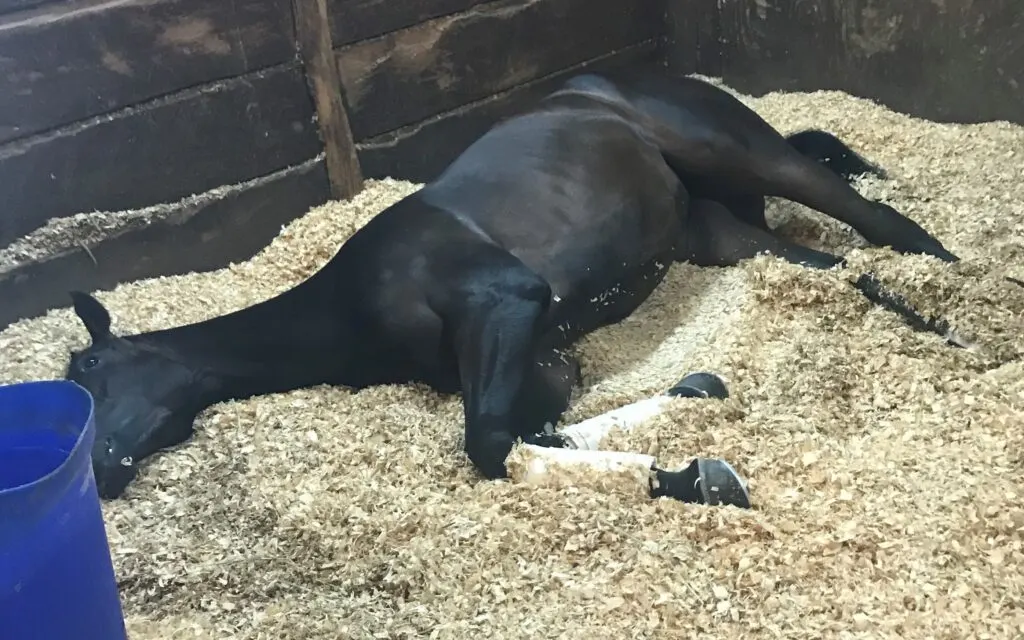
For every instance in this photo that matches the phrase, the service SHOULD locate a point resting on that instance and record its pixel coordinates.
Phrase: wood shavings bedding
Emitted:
(884, 465)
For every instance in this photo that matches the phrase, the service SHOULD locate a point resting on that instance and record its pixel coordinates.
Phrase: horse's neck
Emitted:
(298, 339)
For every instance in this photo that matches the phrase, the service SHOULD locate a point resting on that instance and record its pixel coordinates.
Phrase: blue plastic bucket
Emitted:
(56, 576)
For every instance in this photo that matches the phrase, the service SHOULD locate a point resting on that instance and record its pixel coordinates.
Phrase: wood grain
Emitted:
(435, 66)
(68, 61)
(354, 20)
(421, 151)
(314, 40)
(693, 32)
(945, 60)
(193, 141)
(231, 226)
(10, 6)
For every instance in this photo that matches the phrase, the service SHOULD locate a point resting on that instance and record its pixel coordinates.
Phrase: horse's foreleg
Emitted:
(493, 313)
(580, 462)
(546, 391)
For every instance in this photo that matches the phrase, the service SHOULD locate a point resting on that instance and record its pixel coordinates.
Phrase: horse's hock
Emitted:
(150, 138)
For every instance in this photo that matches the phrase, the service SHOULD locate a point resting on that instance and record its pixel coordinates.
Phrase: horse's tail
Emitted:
(833, 153)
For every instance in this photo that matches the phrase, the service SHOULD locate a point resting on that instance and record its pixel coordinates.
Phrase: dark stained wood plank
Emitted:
(421, 151)
(10, 6)
(436, 66)
(693, 34)
(949, 60)
(354, 20)
(314, 39)
(193, 141)
(227, 227)
(67, 61)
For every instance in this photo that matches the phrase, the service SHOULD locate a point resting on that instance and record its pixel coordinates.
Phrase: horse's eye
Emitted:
(90, 362)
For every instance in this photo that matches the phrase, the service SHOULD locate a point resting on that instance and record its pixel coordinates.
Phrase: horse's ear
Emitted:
(93, 315)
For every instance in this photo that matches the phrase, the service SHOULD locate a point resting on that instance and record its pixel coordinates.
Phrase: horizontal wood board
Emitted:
(225, 133)
(235, 128)
(10, 6)
(421, 71)
(228, 228)
(354, 20)
(947, 60)
(421, 151)
(65, 62)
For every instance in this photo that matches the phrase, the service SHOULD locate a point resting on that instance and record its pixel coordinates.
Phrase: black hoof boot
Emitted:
(700, 385)
(552, 440)
(707, 481)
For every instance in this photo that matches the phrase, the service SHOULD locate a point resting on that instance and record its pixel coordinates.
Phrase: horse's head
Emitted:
(145, 399)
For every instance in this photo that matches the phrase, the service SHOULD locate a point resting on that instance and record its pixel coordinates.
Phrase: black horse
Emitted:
(554, 223)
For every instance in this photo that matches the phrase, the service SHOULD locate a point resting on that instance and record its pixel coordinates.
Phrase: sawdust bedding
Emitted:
(884, 464)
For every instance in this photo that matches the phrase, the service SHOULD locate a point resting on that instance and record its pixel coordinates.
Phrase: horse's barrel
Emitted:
(56, 575)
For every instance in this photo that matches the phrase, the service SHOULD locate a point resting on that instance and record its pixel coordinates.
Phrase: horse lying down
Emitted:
(551, 225)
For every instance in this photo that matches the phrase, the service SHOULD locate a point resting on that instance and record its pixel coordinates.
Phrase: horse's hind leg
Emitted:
(834, 154)
(717, 238)
(795, 177)
(776, 169)
(820, 146)
(714, 137)
(748, 207)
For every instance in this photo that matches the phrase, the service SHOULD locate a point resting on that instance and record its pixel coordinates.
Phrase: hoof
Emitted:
(707, 481)
(700, 385)
(721, 485)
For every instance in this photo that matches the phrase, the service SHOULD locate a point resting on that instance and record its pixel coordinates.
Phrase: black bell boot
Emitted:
(709, 481)
(700, 384)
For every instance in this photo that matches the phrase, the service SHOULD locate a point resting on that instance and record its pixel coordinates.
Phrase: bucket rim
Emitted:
(79, 442)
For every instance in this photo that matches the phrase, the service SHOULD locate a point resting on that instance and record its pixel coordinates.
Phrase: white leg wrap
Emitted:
(589, 433)
(609, 471)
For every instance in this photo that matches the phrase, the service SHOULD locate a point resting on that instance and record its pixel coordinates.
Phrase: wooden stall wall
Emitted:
(197, 112)
(419, 92)
(228, 119)
(945, 60)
